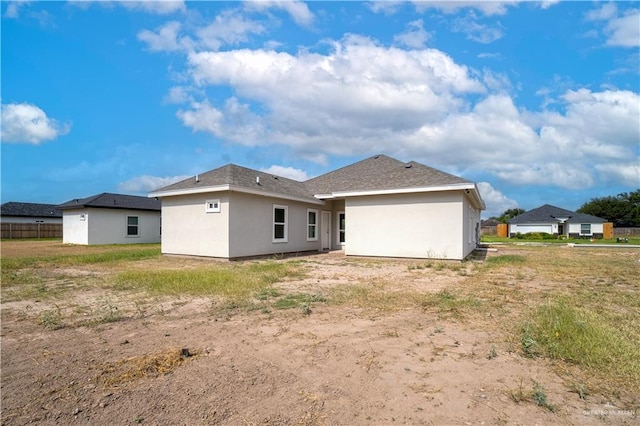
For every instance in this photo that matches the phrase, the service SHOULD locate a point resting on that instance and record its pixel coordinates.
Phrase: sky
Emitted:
(536, 102)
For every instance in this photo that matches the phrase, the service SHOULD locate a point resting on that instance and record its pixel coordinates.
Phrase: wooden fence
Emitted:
(626, 232)
(31, 230)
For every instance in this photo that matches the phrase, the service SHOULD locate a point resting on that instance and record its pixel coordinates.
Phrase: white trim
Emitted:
(315, 225)
(285, 223)
(212, 206)
(452, 187)
(338, 213)
(137, 225)
(326, 214)
(235, 188)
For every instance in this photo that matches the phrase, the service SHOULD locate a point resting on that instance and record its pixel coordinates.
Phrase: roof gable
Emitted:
(381, 173)
(550, 214)
(375, 174)
(242, 177)
(113, 201)
(13, 208)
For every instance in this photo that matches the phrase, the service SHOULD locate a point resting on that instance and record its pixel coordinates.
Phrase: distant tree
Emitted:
(622, 210)
(509, 214)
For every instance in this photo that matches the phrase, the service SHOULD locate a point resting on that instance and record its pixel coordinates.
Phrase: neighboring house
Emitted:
(14, 212)
(556, 221)
(111, 219)
(376, 207)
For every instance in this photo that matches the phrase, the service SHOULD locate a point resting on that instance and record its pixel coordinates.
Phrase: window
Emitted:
(212, 206)
(280, 233)
(341, 226)
(132, 226)
(585, 229)
(312, 225)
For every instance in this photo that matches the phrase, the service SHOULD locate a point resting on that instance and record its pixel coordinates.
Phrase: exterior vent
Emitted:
(197, 178)
(408, 166)
(258, 180)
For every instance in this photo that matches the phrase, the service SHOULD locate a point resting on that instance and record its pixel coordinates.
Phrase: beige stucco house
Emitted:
(376, 207)
(111, 219)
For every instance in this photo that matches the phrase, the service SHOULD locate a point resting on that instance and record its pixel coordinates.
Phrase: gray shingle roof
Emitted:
(13, 208)
(246, 178)
(549, 213)
(113, 201)
(375, 173)
(380, 173)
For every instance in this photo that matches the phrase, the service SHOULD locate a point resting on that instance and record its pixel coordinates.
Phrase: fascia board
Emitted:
(234, 188)
(454, 187)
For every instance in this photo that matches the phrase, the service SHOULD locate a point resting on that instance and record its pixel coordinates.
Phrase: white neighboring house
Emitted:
(111, 219)
(556, 221)
(16, 212)
(376, 207)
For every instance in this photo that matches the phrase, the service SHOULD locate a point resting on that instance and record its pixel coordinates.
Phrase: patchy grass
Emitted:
(237, 282)
(560, 330)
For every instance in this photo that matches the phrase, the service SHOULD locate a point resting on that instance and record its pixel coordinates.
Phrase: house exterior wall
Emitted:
(251, 226)
(75, 226)
(419, 225)
(526, 228)
(597, 230)
(108, 226)
(471, 224)
(30, 219)
(189, 230)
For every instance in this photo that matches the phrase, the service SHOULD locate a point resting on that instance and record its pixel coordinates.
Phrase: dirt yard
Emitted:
(187, 360)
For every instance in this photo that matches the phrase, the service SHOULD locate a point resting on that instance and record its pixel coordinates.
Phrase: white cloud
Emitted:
(495, 200)
(298, 10)
(165, 38)
(227, 28)
(476, 31)
(158, 7)
(364, 97)
(621, 30)
(179, 95)
(414, 37)
(604, 13)
(625, 30)
(146, 183)
(486, 7)
(388, 7)
(27, 123)
(288, 172)
(13, 8)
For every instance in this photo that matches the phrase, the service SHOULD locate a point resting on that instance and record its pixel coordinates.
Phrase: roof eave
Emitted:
(234, 188)
(468, 187)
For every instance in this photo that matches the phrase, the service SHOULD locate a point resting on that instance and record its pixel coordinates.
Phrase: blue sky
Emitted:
(537, 102)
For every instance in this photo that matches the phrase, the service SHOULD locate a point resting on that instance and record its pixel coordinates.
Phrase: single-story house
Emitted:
(556, 221)
(111, 219)
(376, 207)
(16, 212)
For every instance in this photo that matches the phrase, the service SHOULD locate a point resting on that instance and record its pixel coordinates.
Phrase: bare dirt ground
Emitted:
(339, 365)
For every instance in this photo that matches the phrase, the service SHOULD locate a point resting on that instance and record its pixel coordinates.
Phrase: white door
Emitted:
(325, 231)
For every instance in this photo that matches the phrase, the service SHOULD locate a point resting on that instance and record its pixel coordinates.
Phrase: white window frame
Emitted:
(314, 225)
(586, 224)
(137, 225)
(338, 230)
(285, 239)
(212, 206)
